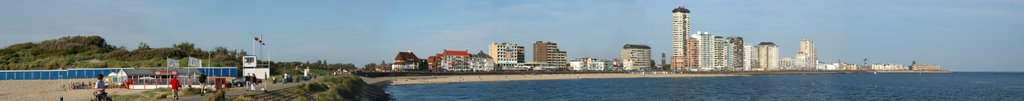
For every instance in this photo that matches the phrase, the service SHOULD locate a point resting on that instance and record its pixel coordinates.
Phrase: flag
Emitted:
(194, 62)
(259, 39)
(172, 62)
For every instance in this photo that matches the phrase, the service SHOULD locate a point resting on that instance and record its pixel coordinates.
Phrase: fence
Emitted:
(93, 72)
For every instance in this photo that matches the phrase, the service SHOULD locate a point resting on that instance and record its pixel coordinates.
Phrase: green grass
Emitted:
(327, 88)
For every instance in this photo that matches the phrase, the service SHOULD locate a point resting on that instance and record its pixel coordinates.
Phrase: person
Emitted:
(202, 83)
(101, 94)
(247, 81)
(252, 81)
(255, 82)
(174, 87)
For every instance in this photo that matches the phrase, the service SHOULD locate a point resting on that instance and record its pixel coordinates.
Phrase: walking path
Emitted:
(236, 91)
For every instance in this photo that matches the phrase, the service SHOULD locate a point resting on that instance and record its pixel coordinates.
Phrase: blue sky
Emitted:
(962, 35)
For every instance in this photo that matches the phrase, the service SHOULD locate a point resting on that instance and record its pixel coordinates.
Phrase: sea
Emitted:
(957, 86)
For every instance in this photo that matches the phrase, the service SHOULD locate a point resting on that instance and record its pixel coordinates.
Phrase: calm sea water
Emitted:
(956, 86)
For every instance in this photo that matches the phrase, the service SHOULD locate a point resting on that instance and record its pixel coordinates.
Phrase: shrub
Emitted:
(219, 96)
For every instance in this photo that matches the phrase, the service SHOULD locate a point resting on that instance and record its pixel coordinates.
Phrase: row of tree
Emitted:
(95, 52)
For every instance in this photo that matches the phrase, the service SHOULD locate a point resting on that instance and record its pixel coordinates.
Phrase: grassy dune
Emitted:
(328, 88)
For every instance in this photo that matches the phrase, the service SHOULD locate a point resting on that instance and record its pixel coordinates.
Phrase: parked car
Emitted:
(238, 82)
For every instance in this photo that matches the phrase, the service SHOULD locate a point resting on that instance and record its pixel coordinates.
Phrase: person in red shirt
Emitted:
(174, 87)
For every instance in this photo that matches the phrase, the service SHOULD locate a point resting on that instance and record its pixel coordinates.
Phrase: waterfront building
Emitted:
(577, 65)
(755, 63)
(706, 48)
(600, 65)
(767, 56)
(407, 61)
(548, 52)
(691, 60)
(720, 53)
(680, 30)
(787, 63)
(808, 55)
(746, 58)
(617, 64)
(889, 67)
(590, 64)
(434, 63)
(918, 66)
(828, 66)
(506, 55)
(533, 66)
(635, 57)
(450, 60)
(736, 55)
(481, 62)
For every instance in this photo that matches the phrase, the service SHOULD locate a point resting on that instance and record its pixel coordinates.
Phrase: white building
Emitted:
(889, 67)
(481, 62)
(829, 66)
(591, 64)
(719, 53)
(706, 45)
(747, 54)
(680, 29)
(767, 56)
(577, 65)
(635, 57)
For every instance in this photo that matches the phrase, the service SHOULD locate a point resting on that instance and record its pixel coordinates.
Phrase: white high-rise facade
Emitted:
(680, 29)
(719, 53)
(706, 45)
(747, 56)
(767, 56)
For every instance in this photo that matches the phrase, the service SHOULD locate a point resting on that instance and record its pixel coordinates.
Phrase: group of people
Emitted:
(251, 81)
(175, 84)
(101, 94)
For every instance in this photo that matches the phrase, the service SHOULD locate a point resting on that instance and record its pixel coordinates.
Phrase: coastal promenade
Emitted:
(402, 80)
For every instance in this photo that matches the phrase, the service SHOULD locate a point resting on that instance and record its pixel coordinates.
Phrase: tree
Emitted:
(370, 66)
(189, 48)
(143, 46)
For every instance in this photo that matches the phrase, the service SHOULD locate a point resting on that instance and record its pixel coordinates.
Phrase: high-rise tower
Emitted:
(808, 55)
(548, 52)
(767, 56)
(680, 28)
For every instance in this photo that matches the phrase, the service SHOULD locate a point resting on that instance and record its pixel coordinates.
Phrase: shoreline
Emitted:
(406, 80)
(437, 79)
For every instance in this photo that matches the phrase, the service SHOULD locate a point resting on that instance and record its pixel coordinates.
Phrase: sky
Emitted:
(960, 35)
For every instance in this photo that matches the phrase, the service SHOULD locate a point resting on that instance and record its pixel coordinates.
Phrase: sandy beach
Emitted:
(490, 78)
(49, 90)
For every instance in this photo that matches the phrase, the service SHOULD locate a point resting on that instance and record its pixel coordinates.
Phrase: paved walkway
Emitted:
(233, 92)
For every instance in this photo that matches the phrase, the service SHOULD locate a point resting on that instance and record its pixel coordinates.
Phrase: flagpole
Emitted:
(263, 56)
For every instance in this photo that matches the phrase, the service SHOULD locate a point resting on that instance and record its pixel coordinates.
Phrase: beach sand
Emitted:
(490, 78)
(50, 90)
